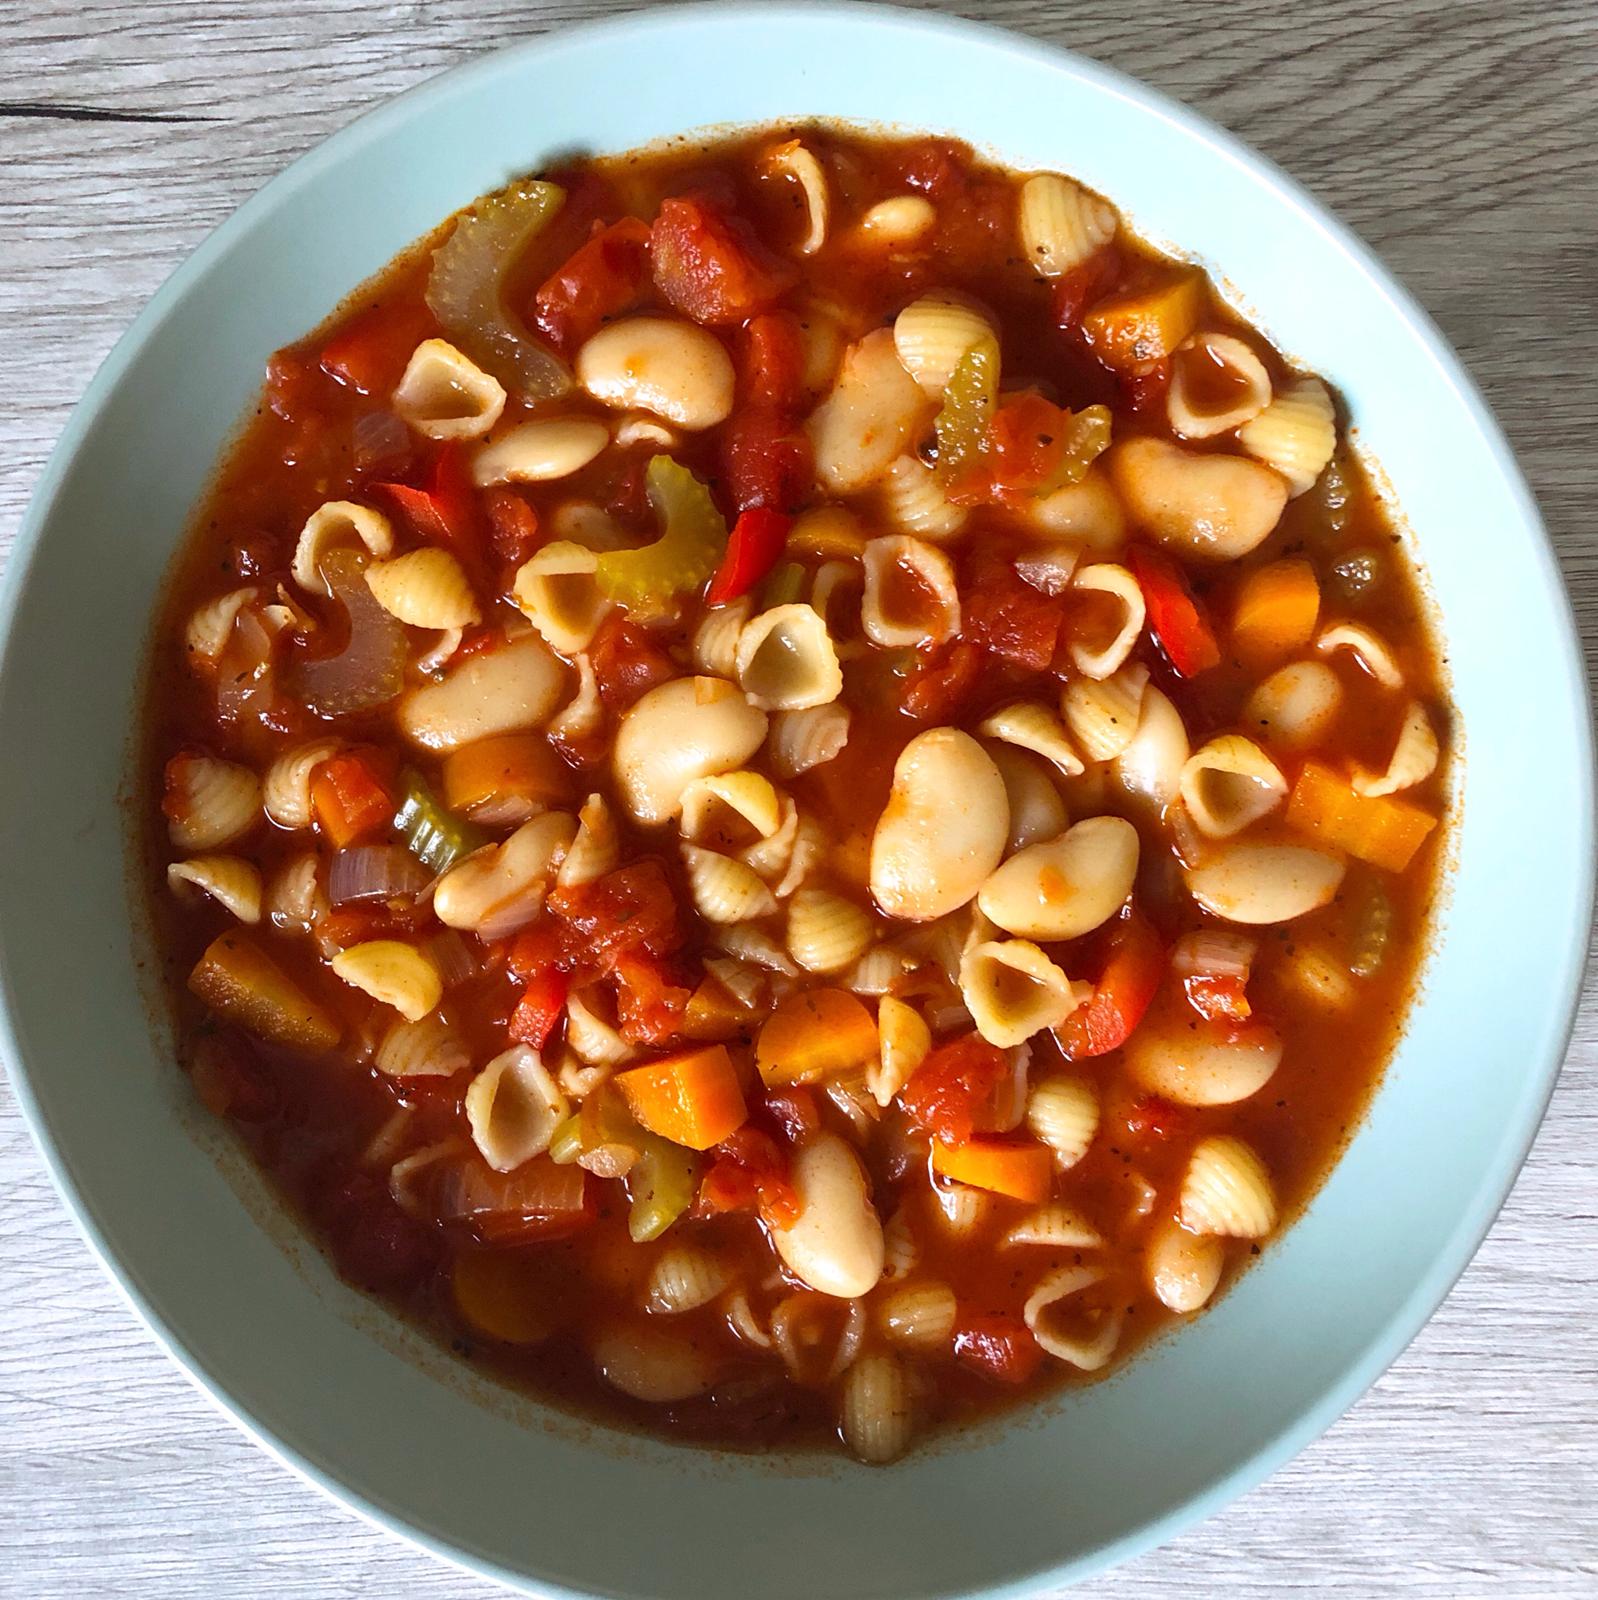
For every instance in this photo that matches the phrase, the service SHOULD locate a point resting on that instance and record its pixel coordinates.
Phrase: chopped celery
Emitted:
(968, 406)
(1373, 931)
(785, 586)
(1087, 437)
(693, 534)
(567, 1142)
(437, 839)
(661, 1186)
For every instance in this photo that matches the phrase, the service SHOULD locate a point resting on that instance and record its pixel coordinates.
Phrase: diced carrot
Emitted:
(239, 981)
(1380, 829)
(511, 771)
(505, 1295)
(692, 1099)
(1145, 324)
(815, 1034)
(351, 798)
(1277, 607)
(1019, 1168)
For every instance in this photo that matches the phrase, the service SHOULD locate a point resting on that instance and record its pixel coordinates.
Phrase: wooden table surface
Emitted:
(1458, 136)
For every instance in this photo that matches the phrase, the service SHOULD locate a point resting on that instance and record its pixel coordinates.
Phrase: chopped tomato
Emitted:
(347, 925)
(1005, 614)
(1133, 964)
(937, 168)
(1145, 384)
(756, 540)
(444, 510)
(750, 1173)
(375, 1245)
(949, 1091)
(773, 359)
(599, 280)
(1074, 291)
(1025, 448)
(1178, 625)
(512, 525)
(709, 264)
(370, 353)
(939, 687)
(541, 1006)
(231, 1082)
(627, 661)
(791, 1111)
(536, 950)
(649, 1003)
(767, 459)
(351, 796)
(1154, 1117)
(630, 909)
(294, 385)
(999, 1347)
(1218, 999)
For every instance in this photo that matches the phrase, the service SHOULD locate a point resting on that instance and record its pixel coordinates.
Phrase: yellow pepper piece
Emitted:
(693, 534)
(969, 401)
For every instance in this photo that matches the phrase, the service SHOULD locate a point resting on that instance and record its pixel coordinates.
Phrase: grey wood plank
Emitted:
(1458, 138)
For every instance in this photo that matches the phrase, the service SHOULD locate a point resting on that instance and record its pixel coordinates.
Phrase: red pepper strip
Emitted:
(756, 540)
(542, 1003)
(1174, 615)
(444, 511)
(369, 354)
(1134, 965)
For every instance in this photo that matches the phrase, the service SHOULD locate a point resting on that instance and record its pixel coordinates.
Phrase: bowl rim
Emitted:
(373, 126)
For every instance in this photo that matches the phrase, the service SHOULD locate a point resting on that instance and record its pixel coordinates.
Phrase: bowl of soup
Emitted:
(777, 812)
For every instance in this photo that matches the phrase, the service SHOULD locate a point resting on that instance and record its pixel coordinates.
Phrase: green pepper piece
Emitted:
(969, 402)
(437, 839)
(661, 1186)
(784, 587)
(693, 534)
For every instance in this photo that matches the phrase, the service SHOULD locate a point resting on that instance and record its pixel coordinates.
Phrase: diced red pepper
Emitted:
(766, 459)
(773, 359)
(649, 1003)
(948, 1093)
(1074, 291)
(630, 909)
(1005, 614)
(512, 525)
(541, 1006)
(627, 661)
(942, 682)
(1134, 963)
(369, 353)
(999, 1347)
(444, 511)
(750, 1173)
(709, 264)
(757, 539)
(1153, 1117)
(537, 949)
(1178, 625)
(601, 279)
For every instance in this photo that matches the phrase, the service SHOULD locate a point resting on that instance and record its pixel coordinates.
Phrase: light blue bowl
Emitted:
(401, 1433)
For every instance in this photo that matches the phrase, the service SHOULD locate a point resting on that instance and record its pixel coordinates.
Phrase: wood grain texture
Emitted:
(1457, 137)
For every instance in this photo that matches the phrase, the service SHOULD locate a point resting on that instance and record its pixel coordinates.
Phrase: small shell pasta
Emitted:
(210, 625)
(1083, 1335)
(877, 1413)
(725, 890)
(1200, 364)
(902, 1251)
(684, 1277)
(1057, 1226)
(787, 660)
(1229, 783)
(1063, 1112)
(583, 715)
(426, 588)
(1036, 809)
(713, 806)
(1295, 708)
(231, 881)
(903, 1042)
(715, 645)
(911, 597)
(1029, 725)
(826, 933)
(771, 856)
(429, 1048)
(294, 898)
(920, 1315)
(1104, 714)
(209, 802)
(802, 740)
(757, 947)
(1227, 1190)
(1151, 765)
(1414, 757)
(916, 504)
(393, 973)
(1183, 1269)
(931, 335)
(1296, 433)
(1060, 224)
(557, 591)
(1109, 577)
(962, 1209)
(592, 1039)
(877, 971)
(1013, 991)
(444, 395)
(286, 788)
(798, 161)
(335, 523)
(1371, 651)
(595, 848)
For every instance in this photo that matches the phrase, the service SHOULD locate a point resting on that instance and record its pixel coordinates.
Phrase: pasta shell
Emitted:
(539, 451)
(335, 523)
(1013, 991)
(1202, 362)
(1296, 707)
(596, 848)
(556, 590)
(715, 646)
(799, 162)
(903, 1043)
(583, 715)
(725, 890)
(877, 971)
(235, 884)
(748, 984)
(920, 1315)
(1063, 1112)
(286, 788)
(911, 597)
(713, 807)
(1103, 714)
(210, 625)
(1108, 577)
(754, 945)
(1227, 1190)
(769, 857)
(1031, 726)
(914, 501)
(877, 1410)
(1061, 224)
(1183, 1269)
(1151, 765)
(962, 1208)
(426, 588)
(832, 595)
(1296, 433)
(901, 1252)
(1414, 757)
(294, 898)
(443, 395)
(826, 933)
(1036, 810)
(743, 1322)
(817, 1335)
(393, 973)
(1058, 1225)
(591, 1038)
(931, 335)
(809, 850)
(209, 802)
(1229, 783)
(684, 1277)
(899, 220)
(1049, 569)
(801, 740)
(1083, 1334)
(426, 1049)
(787, 660)
(1369, 649)
(641, 428)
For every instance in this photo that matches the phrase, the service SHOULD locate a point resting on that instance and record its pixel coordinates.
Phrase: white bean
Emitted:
(673, 368)
(866, 423)
(1183, 1269)
(836, 1246)
(652, 1364)
(1064, 887)
(503, 691)
(540, 451)
(679, 732)
(1258, 884)
(1199, 1063)
(1216, 507)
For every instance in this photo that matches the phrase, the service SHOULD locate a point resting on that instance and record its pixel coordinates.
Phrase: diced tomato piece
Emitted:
(1026, 445)
(347, 925)
(767, 460)
(1146, 384)
(750, 1173)
(941, 684)
(709, 264)
(541, 1006)
(649, 1002)
(369, 353)
(537, 949)
(1178, 625)
(936, 168)
(1153, 1117)
(757, 539)
(1134, 961)
(949, 1091)
(999, 1347)
(1005, 614)
(231, 1082)
(773, 359)
(351, 796)
(375, 1245)
(1074, 291)
(444, 510)
(627, 661)
(512, 525)
(1218, 999)
(603, 278)
(630, 909)
(791, 1112)
(295, 385)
